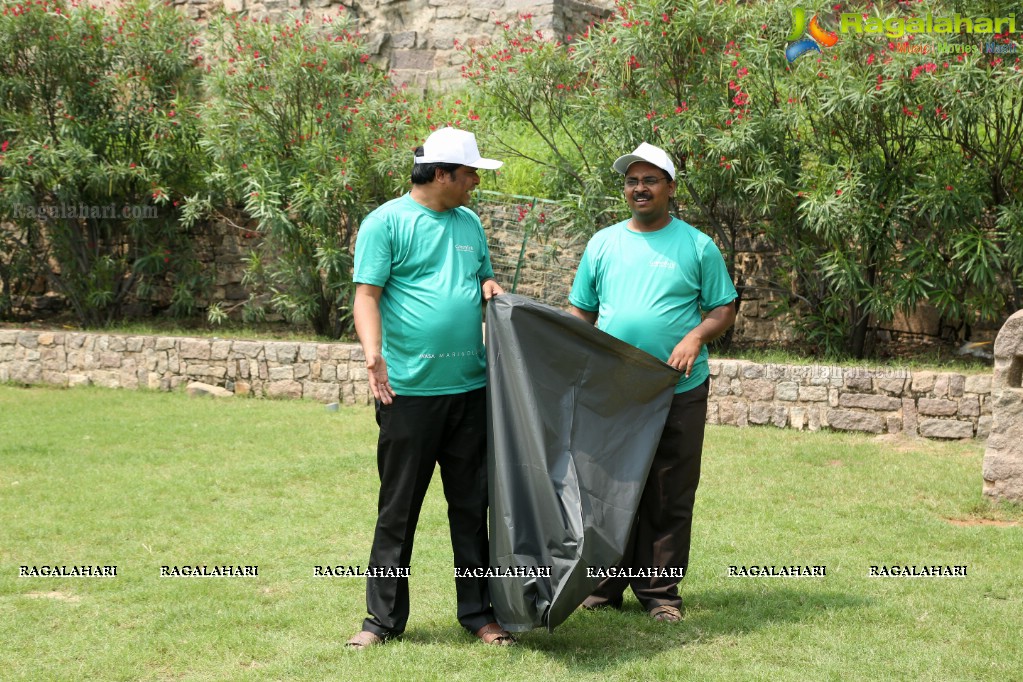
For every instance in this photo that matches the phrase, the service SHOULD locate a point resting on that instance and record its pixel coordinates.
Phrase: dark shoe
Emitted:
(668, 614)
(364, 640)
(494, 634)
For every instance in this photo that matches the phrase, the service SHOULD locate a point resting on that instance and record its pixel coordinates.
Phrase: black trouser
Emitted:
(415, 433)
(662, 531)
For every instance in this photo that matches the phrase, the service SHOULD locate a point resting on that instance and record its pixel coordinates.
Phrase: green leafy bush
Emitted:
(882, 176)
(99, 144)
(306, 137)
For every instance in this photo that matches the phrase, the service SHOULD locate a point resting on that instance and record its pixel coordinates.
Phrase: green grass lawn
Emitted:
(140, 480)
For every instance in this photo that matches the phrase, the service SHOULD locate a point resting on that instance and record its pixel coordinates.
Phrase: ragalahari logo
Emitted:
(806, 36)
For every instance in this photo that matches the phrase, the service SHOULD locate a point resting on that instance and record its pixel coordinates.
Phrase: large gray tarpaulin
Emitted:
(575, 417)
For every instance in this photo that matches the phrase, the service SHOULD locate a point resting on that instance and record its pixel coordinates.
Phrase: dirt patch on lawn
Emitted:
(59, 596)
(981, 522)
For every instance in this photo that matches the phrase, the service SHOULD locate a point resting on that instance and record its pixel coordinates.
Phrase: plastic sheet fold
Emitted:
(575, 417)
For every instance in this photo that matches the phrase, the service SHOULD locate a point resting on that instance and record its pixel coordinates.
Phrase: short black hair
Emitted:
(424, 173)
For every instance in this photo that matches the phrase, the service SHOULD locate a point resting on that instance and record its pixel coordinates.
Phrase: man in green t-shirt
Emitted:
(422, 273)
(645, 281)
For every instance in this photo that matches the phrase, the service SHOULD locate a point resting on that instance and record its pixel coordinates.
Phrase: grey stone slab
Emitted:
(869, 402)
(946, 428)
(853, 420)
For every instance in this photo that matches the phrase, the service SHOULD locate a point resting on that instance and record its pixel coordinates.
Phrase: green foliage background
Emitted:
(883, 172)
(883, 177)
(96, 113)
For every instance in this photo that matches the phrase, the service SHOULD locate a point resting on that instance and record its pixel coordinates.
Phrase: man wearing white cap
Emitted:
(646, 281)
(422, 273)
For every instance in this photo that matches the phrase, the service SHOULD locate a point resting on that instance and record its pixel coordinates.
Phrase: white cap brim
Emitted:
(485, 164)
(653, 155)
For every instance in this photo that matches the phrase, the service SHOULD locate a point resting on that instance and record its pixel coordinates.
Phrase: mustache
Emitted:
(641, 196)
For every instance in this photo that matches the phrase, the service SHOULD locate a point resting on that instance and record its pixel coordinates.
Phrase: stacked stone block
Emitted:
(929, 404)
(742, 393)
(326, 372)
(1003, 458)
(416, 39)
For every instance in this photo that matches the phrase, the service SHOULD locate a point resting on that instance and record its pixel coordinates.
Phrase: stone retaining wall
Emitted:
(884, 400)
(415, 40)
(327, 372)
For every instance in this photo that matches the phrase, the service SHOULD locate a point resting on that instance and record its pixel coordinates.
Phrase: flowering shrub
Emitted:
(306, 137)
(883, 176)
(904, 167)
(99, 142)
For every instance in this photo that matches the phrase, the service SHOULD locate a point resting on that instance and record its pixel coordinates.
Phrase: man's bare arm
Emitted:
(366, 310)
(584, 315)
(714, 325)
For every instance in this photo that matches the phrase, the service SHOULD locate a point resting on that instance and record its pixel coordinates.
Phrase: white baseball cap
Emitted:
(450, 145)
(650, 154)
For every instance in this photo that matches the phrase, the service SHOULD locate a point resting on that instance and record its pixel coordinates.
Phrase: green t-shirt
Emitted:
(648, 288)
(430, 265)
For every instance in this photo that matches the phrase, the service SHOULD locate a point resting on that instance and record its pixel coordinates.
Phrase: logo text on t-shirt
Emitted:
(452, 354)
(662, 263)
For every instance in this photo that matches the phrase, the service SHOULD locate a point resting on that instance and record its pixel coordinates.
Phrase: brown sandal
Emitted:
(364, 639)
(666, 613)
(492, 633)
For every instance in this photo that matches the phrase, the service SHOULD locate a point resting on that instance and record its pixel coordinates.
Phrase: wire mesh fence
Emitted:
(533, 251)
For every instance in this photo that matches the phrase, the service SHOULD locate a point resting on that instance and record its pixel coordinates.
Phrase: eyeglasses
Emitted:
(650, 181)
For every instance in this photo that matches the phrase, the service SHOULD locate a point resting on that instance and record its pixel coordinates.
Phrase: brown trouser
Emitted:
(662, 531)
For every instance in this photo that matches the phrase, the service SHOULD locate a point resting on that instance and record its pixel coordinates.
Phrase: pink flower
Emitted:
(3, 147)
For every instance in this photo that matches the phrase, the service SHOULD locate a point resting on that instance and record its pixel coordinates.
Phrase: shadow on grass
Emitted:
(595, 641)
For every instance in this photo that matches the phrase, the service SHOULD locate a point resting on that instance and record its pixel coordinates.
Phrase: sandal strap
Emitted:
(492, 633)
(669, 612)
(364, 639)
